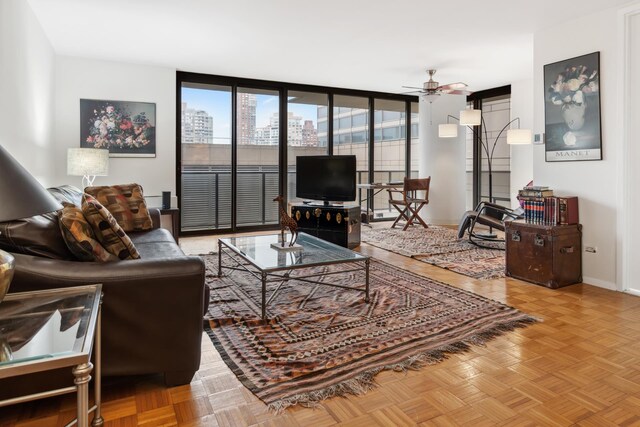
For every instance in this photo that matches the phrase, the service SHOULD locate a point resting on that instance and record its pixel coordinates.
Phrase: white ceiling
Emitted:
(363, 44)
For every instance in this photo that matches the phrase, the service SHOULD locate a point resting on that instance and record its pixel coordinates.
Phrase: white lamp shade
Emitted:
(87, 161)
(519, 136)
(430, 97)
(448, 130)
(470, 117)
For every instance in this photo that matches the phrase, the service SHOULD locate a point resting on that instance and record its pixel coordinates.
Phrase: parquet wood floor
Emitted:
(580, 366)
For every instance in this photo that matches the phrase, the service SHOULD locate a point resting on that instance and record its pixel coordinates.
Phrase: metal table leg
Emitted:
(82, 374)
(97, 381)
(219, 258)
(263, 279)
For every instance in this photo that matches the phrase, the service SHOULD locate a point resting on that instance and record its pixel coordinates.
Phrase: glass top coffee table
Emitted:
(51, 329)
(255, 255)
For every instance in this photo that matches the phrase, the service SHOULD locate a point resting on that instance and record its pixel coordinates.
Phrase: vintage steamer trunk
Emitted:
(549, 255)
(336, 224)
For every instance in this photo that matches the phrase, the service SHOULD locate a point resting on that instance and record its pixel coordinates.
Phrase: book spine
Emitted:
(539, 194)
(568, 210)
(562, 208)
(540, 211)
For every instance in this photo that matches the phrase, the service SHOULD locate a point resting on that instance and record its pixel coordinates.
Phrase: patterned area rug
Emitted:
(322, 341)
(440, 246)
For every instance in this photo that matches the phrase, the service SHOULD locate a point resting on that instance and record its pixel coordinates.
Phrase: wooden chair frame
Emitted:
(410, 203)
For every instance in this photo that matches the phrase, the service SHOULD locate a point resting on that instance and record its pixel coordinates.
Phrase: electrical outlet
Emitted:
(591, 249)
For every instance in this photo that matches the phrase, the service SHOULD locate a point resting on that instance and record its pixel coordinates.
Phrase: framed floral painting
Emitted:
(127, 129)
(572, 109)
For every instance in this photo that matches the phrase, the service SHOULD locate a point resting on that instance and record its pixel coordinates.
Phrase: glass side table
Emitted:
(53, 329)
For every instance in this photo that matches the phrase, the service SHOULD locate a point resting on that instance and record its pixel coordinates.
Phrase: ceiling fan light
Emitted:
(519, 136)
(448, 130)
(430, 97)
(470, 117)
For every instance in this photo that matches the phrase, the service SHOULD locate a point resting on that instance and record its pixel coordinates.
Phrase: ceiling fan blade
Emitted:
(456, 92)
(412, 87)
(413, 91)
(458, 85)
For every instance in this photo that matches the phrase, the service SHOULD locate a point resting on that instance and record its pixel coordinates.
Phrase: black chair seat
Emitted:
(487, 214)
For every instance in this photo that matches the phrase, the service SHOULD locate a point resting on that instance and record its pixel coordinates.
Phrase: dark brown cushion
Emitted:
(127, 205)
(38, 235)
(79, 236)
(107, 231)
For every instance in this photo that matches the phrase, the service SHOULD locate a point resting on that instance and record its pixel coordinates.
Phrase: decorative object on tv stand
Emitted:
(572, 109)
(22, 197)
(471, 118)
(126, 129)
(87, 163)
(286, 222)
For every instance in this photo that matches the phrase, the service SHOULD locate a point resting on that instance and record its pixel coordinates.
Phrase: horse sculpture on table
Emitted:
(286, 222)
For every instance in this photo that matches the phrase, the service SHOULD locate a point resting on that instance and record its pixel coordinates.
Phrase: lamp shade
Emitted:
(519, 136)
(430, 97)
(87, 162)
(448, 130)
(470, 117)
(21, 194)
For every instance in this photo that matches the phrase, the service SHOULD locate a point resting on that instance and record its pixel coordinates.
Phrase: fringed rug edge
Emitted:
(365, 381)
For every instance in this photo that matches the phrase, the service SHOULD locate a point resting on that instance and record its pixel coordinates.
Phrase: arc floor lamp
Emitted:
(472, 118)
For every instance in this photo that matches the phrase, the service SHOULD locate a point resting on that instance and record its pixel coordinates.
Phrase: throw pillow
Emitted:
(126, 204)
(79, 236)
(107, 230)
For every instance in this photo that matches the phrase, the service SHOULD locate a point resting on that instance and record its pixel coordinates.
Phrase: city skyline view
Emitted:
(216, 102)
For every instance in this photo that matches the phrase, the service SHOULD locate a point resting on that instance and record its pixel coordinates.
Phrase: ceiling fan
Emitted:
(431, 89)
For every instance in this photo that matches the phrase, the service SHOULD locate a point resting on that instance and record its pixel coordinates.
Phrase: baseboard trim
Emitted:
(600, 283)
(634, 292)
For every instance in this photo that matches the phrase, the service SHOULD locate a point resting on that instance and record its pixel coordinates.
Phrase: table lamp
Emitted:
(87, 163)
(22, 196)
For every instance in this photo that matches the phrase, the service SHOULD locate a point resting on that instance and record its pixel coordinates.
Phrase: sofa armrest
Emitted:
(155, 217)
(151, 312)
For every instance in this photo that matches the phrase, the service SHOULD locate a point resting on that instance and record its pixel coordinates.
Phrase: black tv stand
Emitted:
(339, 224)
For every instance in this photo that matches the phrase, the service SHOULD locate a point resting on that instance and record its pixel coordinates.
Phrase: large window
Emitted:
(305, 111)
(496, 113)
(238, 141)
(415, 135)
(205, 137)
(257, 176)
(351, 135)
(390, 147)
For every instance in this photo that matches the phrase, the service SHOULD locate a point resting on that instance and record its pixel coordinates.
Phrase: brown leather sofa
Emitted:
(152, 308)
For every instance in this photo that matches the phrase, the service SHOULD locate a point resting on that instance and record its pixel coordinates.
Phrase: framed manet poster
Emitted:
(572, 109)
(126, 129)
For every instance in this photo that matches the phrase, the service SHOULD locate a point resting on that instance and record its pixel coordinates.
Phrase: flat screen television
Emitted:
(326, 178)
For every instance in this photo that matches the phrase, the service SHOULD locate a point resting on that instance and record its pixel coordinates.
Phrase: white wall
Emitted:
(629, 90)
(594, 182)
(92, 79)
(521, 155)
(26, 89)
(443, 160)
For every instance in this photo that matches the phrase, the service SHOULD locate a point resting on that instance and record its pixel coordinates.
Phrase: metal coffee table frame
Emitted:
(242, 262)
(79, 361)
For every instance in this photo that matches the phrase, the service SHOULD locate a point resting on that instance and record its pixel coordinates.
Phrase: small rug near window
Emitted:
(440, 246)
(321, 341)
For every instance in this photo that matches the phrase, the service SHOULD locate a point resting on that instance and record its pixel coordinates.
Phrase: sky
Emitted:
(217, 103)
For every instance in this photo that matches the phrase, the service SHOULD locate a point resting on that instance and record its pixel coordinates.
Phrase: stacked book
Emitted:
(542, 207)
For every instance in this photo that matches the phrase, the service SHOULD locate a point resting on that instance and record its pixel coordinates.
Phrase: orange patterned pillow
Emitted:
(107, 230)
(126, 204)
(79, 236)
